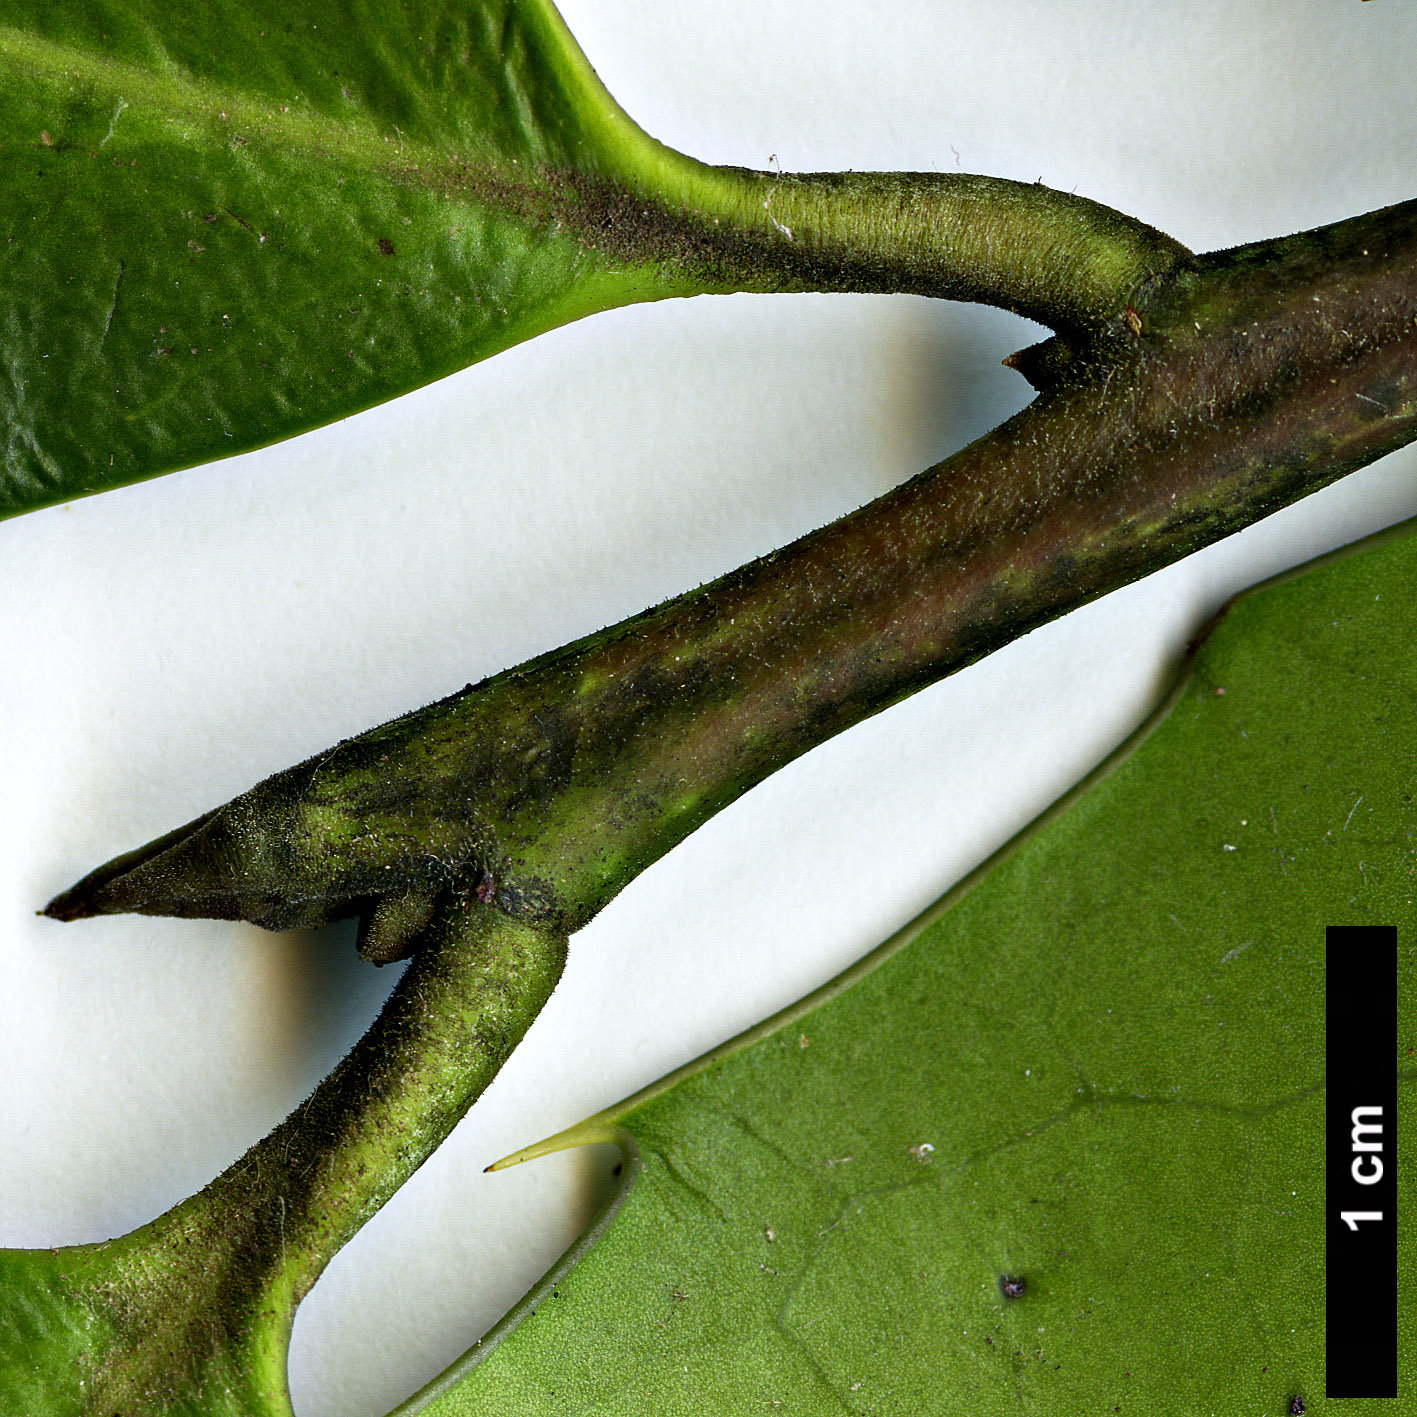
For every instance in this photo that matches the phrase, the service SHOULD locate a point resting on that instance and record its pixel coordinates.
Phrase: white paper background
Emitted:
(168, 645)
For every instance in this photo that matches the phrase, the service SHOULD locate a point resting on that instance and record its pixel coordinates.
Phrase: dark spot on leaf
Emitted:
(1012, 1286)
(386, 247)
(1297, 1407)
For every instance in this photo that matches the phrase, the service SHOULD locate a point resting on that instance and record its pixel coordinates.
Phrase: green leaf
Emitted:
(1097, 1064)
(59, 1349)
(224, 224)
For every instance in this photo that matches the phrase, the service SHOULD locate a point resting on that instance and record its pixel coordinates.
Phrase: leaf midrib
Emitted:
(173, 96)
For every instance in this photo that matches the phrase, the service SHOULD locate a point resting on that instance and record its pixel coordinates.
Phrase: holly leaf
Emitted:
(224, 224)
(1059, 1145)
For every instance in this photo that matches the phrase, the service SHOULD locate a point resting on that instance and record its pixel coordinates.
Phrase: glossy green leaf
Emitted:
(1097, 1065)
(224, 224)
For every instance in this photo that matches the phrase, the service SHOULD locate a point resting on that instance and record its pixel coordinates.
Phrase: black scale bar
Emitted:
(1361, 1193)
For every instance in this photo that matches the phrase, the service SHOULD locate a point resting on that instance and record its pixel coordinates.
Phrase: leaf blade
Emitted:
(219, 231)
